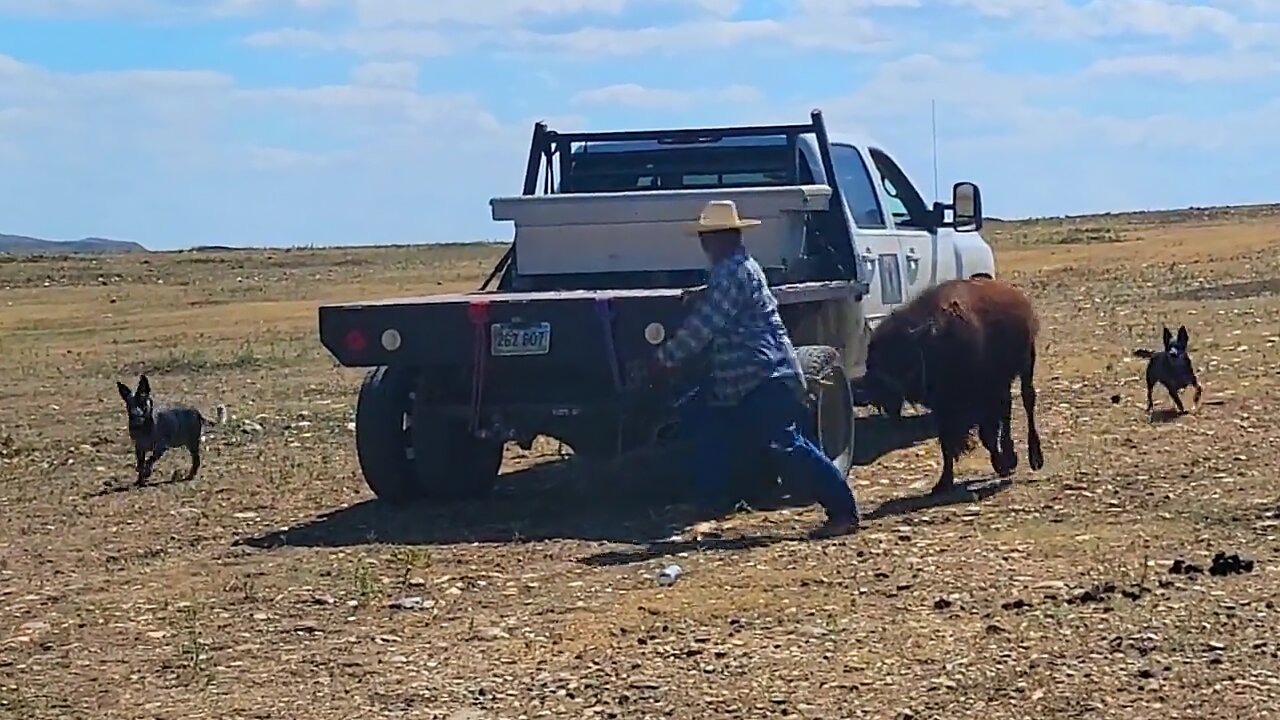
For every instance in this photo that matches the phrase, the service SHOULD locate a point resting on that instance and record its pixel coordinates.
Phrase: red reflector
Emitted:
(356, 341)
(478, 311)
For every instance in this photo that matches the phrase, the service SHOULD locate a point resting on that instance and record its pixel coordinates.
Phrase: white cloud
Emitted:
(160, 156)
(1189, 68)
(1104, 18)
(639, 96)
(410, 28)
(388, 74)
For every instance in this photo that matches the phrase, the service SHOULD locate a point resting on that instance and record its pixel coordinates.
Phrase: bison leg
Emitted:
(953, 436)
(1006, 430)
(989, 434)
(1035, 456)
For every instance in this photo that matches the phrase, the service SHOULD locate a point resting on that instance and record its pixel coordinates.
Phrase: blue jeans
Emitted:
(764, 423)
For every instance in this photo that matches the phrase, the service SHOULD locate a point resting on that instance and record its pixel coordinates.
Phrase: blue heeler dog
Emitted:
(1171, 368)
(157, 429)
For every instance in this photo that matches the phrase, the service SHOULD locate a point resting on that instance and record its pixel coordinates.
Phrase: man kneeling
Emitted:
(756, 388)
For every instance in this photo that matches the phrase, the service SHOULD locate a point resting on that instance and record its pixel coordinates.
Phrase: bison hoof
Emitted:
(1036, 459)
(1010, 464)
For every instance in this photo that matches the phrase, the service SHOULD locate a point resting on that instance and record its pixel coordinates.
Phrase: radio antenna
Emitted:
(933, 112)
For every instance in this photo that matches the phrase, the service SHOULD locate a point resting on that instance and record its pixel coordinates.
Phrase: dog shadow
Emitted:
(1165, 415)
(116, 488)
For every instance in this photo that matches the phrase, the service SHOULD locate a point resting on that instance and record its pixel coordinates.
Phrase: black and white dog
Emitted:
(1171, 367)
(158, 429)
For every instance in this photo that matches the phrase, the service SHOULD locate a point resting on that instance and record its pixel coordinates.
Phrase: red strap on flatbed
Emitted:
(478, 314)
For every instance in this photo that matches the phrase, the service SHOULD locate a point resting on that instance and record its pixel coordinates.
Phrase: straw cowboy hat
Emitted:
(721, 215)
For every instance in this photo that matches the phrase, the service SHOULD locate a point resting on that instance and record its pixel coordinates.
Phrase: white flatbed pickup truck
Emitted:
(593, 278)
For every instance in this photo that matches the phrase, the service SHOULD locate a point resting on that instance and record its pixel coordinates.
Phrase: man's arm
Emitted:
(722, 298)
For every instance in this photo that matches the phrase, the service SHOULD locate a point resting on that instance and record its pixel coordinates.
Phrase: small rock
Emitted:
(491, 633)
(942, 603)
(410, 603)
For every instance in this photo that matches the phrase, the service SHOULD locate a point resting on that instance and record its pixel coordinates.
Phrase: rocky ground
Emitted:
(272, 587)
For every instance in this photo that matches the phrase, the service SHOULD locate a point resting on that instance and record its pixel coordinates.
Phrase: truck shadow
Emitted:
(638, 501)
(632, 502)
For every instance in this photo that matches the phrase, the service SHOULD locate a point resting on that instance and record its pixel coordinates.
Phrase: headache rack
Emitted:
(550, 155)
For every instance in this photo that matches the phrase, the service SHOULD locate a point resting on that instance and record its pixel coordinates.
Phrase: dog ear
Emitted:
(144, 386)
(1183, 337)
(125, 392)
(1168, 338)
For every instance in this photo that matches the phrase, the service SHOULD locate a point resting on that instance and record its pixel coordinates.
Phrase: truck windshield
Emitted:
(655, 167)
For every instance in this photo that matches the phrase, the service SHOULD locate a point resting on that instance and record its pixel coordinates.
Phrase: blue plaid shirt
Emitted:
(738, 317)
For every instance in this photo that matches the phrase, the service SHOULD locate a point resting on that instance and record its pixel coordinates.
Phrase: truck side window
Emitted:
(905, 203)
(855, 184)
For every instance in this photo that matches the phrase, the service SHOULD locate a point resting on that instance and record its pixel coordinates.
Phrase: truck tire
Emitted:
(382, 440)
(449, 462)
(831, 415)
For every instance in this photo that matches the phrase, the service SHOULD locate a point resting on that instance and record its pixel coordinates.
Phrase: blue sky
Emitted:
(281, 122)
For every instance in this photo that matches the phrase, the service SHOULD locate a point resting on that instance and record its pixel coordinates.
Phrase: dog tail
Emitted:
(1143, 353)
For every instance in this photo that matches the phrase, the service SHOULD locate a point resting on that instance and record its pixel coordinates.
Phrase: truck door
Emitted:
(876, 241)
(929, 257)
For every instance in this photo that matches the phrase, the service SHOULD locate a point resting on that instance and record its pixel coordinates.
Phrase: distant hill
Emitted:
(23, 245)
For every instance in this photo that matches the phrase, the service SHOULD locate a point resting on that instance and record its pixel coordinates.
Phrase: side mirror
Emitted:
(966, 204)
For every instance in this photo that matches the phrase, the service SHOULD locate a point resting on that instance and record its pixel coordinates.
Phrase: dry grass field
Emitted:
(264, 588)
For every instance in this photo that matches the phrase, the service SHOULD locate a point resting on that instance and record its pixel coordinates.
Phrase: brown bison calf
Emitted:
(956, 349)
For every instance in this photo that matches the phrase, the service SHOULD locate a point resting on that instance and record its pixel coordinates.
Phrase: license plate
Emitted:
(520, 339)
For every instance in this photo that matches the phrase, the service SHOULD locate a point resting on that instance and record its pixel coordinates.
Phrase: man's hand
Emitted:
(688, 295)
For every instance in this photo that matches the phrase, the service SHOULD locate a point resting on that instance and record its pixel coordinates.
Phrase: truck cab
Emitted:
(901, 248)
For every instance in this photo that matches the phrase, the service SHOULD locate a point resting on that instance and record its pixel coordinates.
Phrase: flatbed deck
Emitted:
(786, 294)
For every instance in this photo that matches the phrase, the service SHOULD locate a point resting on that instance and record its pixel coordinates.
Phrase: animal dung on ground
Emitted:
(1223, 564)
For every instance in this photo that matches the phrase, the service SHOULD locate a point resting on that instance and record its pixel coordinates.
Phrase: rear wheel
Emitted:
(410, 452)
(383, 408)
(449, 461)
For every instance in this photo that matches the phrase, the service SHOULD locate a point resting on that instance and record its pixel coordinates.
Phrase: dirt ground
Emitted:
(264, 588)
